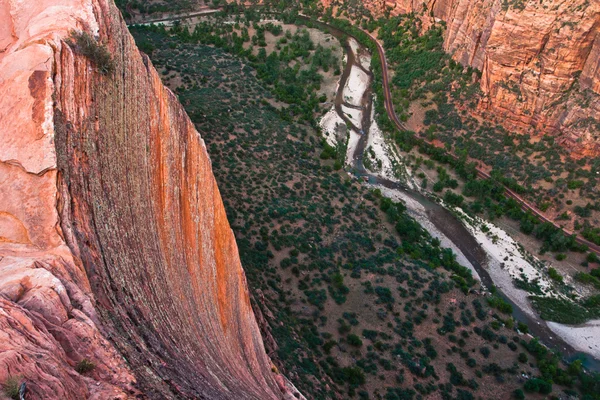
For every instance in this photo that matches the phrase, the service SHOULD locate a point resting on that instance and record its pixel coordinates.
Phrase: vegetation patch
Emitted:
(11, 386)
(565, 311)
(85, 44)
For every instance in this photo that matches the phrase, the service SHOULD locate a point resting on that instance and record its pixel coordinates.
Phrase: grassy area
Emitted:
(567, 311)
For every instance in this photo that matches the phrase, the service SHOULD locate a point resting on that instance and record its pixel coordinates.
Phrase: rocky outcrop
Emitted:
(539, 60)
(114, 244)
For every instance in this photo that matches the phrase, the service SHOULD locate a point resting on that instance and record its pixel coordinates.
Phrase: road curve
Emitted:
(526, 206)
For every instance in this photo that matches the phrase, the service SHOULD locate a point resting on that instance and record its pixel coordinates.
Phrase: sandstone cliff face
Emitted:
(540, 61)
(114, 243)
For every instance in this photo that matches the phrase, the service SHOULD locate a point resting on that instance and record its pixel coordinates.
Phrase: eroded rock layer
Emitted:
(540, 60)
(114, 243)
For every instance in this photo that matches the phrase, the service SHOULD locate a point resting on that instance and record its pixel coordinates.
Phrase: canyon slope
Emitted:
(539, 61)
(114, 244)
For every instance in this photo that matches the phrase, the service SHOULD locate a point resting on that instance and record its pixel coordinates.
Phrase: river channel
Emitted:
(443, 220)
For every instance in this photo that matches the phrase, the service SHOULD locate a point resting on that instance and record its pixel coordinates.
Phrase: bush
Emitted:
(522, 327)
(86, 45)
(353, 375)
(500, 304)
(523, 357)
(555, 275)
(354, 340)
(485, 351)
(11, 386)
(518, 394)
(536, 385)
(453, 199)
(563, 311)
(84, 366)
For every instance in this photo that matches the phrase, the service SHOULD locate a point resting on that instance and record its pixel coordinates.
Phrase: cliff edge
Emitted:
(115, 248)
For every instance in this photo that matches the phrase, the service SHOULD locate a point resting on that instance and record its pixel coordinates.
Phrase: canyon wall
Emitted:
(114, 243)
(540, 60)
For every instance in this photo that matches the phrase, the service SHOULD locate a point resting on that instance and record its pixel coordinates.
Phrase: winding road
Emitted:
(525, 205)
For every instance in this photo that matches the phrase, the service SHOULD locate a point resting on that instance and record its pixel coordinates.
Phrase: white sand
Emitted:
(390, 161)
(354, 115)
(505, 250)
(356, 85)
(352, 143)
(382, 151)
(364, 59)
(329, 126)
(354, 46)
(584, 337)
(506, 260)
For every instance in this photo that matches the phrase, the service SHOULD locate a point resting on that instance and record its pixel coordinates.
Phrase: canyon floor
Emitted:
(344, 278)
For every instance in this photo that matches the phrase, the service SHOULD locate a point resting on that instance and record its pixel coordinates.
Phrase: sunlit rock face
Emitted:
(540, 61)
(114, 243)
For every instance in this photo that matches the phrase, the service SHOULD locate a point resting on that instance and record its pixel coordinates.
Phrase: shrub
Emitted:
(369, 334)
(328, 346)
(485, 351)
(86, 45)
(354, 340)
(316, 297)
(11, 387)
(353, 375)
(537, 385)
(518, 394)
(453, 199)
(563, 311)
(500, 304)
(522, 327)
(84, 366)
(554, 274)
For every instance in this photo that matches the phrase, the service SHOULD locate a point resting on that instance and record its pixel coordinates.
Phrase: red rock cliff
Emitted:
(114, 243)
(540, 61)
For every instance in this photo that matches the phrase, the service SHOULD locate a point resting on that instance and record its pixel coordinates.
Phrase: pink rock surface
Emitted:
(114, 243)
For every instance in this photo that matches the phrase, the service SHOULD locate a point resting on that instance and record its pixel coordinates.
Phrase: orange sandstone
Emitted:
(114, 243)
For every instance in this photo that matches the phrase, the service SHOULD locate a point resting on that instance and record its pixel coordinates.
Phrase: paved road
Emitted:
(525, 205)
(389, 107)
(198, 13)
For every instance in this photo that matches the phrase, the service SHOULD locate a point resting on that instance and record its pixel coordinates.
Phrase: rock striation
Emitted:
(540, 61)
(114, 244)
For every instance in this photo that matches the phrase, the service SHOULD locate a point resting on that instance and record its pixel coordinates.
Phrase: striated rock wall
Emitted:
(114, 243)
(540, 61)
